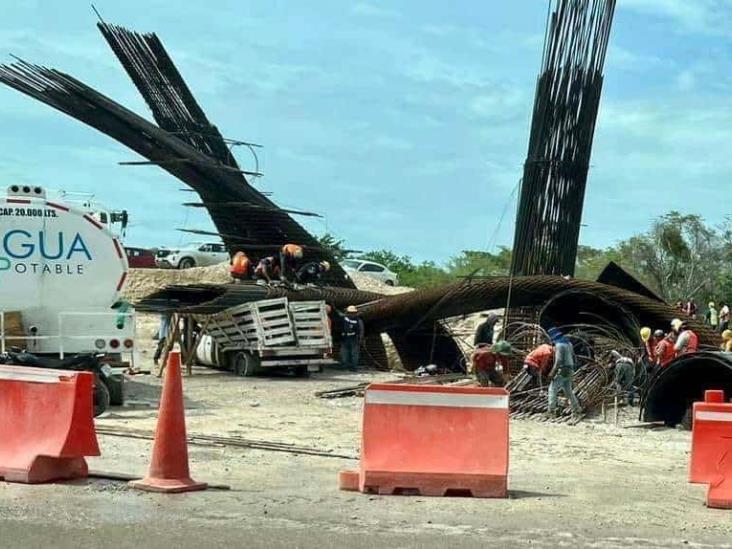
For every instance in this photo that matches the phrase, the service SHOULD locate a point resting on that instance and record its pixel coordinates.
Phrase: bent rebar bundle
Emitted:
(185, 144)
(562, 127)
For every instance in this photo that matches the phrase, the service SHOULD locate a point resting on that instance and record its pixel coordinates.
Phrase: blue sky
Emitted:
(404, 123)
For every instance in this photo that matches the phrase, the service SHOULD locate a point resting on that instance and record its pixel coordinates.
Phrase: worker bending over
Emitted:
(267, 270)
(312, 272)
(489, 362)
(686, 340)
(538, 363)
(484, 332)
(624, 375)
(290, 257)
(565, 364)
(352, 335)
(241, 267)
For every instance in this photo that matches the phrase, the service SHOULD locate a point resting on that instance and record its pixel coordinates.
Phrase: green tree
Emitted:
(335, 245)
(680, 256)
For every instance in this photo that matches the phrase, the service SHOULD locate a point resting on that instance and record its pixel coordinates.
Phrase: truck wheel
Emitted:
(389, 282)
(186, 263)
(101, 398)
(301, 371)
(246, 364)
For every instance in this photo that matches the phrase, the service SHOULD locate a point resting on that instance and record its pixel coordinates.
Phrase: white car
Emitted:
(369, 268)
(193, 255)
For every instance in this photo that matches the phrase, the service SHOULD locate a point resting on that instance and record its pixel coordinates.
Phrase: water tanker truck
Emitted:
(61, 272)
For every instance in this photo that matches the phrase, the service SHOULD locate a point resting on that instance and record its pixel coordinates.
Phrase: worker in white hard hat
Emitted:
(352, 335)
(312, 272)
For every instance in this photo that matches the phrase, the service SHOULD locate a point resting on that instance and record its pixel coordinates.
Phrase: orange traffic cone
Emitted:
(169, 467)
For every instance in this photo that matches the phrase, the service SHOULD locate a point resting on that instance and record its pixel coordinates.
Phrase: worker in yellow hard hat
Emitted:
(727, 341)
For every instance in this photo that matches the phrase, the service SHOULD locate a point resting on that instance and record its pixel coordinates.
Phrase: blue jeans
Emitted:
(564, 384)
(349, 353)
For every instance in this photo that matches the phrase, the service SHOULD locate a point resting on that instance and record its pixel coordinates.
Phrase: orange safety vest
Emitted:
(665, 352)
(240, 265)
(693, 345)
(540, 358)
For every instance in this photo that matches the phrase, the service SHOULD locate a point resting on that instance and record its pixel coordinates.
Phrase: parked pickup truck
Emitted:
(193, 255)
(266, 334)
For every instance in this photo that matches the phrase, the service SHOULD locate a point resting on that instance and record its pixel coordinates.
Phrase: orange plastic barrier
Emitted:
(711, 449)
(46, 424)
(432, 440)
(169, 471)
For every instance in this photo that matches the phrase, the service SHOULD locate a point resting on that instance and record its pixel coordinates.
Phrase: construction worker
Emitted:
(489, 362)
(485, 330)
(649, 356)
(624, 375)
(241, 267)
(290, 256)
(712, 316)
(352, 335)
(565, 364)
(539, 362)
(267, 270)
(664, 349)
(723, 318)
(686, 341)
(312, 272)
(727, 341)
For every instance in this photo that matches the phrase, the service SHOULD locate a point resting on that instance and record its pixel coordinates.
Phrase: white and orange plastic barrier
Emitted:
(46, 424)
(433, 440)
(711, 449)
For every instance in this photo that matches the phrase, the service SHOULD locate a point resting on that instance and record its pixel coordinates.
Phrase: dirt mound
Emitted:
(141, 282)
(370, 284)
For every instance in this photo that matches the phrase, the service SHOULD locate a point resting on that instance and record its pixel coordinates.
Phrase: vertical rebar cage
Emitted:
(565, 110)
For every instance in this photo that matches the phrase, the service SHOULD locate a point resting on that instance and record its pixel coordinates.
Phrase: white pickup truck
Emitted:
(61, 272)
(272, 333)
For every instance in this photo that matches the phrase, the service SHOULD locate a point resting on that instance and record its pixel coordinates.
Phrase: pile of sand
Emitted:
(141, 282)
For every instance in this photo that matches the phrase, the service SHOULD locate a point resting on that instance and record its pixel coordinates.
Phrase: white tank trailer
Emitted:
(61, 272)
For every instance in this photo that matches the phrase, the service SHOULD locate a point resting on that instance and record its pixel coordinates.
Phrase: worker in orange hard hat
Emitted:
(241, 267)
(290, 257)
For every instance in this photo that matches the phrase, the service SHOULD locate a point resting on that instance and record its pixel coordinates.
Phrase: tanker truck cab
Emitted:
(61, 273)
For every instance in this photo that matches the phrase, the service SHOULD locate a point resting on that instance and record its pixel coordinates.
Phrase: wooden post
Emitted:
(191, 358)
(171, 340)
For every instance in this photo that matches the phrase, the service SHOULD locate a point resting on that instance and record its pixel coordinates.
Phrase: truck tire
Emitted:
(301, 371)
(101, 397)
(389, 282)
(246, 364)
(186, 263)
(115, 385)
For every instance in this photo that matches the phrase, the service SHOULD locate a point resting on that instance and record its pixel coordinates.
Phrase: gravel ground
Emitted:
(590, 485)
